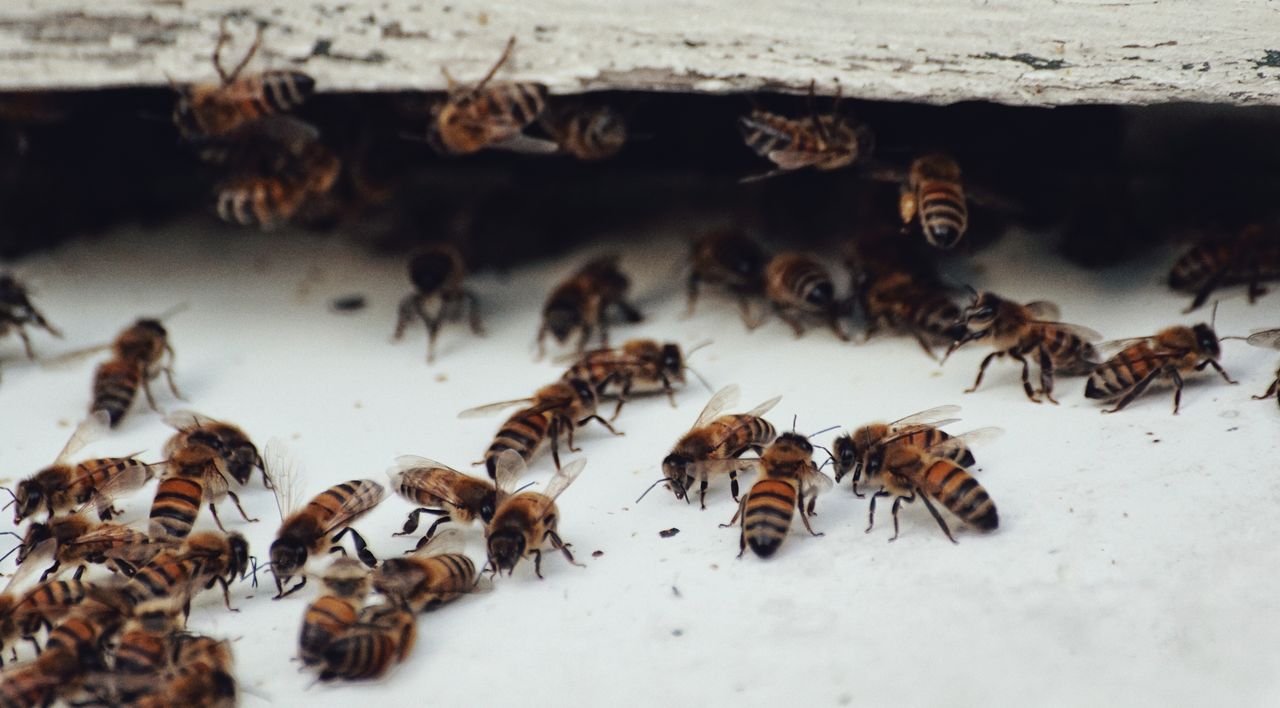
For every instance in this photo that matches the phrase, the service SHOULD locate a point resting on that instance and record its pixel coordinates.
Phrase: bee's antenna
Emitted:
(650, 488)
(824, 430)
(521, 489)
(704, 382)
(700, 345)
(824, 449)
(1213, 318)
(793, 422)
(824, 463)
(175, 310)
(11, 550)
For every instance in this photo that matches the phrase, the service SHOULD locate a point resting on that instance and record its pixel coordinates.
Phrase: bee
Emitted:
(581, 303)
(139, 356)
(823, 142)
(62, 486)
(24, 613)
(382, 638)
(1269, 339)
(441, 491)
(239, 456)
(436, 573)
(437, 274)
(1250, 257)
(638, 366)
(526, 522)
(1169, 353)
(201, 677)
(80, 540)
(908, 471)
(587, 132)
(147, 644)
(194, 474)
(797, 285)
(1031, 330)
(901, 298)
(556, 410)
(73, 651)
(488, 115)
(789, 481)
(864, 449)
(345, 585)
(306, 531)
(217, 110)
(268, 199)
(173, 577)
(934, 196)
(728, 257)
(17, 313)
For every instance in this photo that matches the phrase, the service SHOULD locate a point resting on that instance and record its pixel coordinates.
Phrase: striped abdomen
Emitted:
(47, 602)
(473, 121)
(1201, 263)
(28, 685)
(164, 577)
(92, 475)
(141, 652)
(1119, 374)
(115, 384)
(1069, 353)
(175, 507)
(593, 134)
(766, 515)
(425, 583)
(524, 432)
(944, 215)
(800, 281)
(926, 437)
(363, 654)
(325, 620)
(938, 316)
(265, 202)
(740, 433)
(957, 490)
(349, 499)
(214, 111)
(277, 91)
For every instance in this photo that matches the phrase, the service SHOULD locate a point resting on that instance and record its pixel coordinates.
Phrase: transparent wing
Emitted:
(909, 430)
(281, 469)
(404, 463)
(73, 356)
(491, 408)
(724, 398)
(415, 472)
(37, 558)
(186, 420)
(447, 541)
(125, 543)
(764, 407)
(965, 440)
(126, 480)
(1043, 310)
(367, 495)
(814, 483)
(508, 470)
(709, 468)
(93, 427)
(1112, 347)
(564, 477)
(937, 417)
(1080, 331)
(1268, 338)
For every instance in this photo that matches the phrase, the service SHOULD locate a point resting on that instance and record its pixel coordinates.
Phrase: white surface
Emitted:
(1134, 564)
(1038, 52)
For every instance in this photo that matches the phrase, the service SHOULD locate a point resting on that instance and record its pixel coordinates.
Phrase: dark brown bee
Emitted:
(1170, 353)
(217, 110)
(80, 540)
(437, 274)
(1022, 331)
(433, 575)
(173, 577)
(1250, 257)
(62, 486)
(307, 531)
(201, 677)
(638, 366)
(441, 491)
(789, 481)
(903, 298)
(486, 115)
(1270, 339)
(934, 196)
(797, 285)
(345, 585)
(587, 132)
(823, 142)
(556, 410)
(908, 471)
(526, 523)
(581, 303)
(239, 455)
(268, 199)
(714, 444)
(729, 258)
(382, 638)
(138, 357)
(863, 450)
(195, 474)
(17, 313)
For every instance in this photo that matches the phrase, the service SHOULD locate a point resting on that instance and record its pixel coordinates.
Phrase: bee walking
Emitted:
(441, 491)
(1251, 256)
(139, 355)
(898, 293)
(863, 450)
(437, 274)
(17, 313)
(1269, 339)
(487, 115)
(1169, 353)
(638, 366)
(934, 196)
(581, 304)
(381, 639)
(789, 482)
(908, 472)
(435, 573)
(526, 523)
(297, 174)
(797, 286)
(344, 586)
(729, 258)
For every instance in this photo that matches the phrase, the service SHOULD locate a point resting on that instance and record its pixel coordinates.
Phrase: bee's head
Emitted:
(505, 550)
(1207, 341)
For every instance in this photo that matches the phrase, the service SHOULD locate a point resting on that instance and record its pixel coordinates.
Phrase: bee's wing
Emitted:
(909, 430)
(564, 477)
(724, 398)
(94, 426)
(125, 543)
(36, 559)
(405, 463)
(186, 420)
(1268, 338)
(1115, 346)
(706, 468)
(525, 145)
(281, 469)
(367, 495)
(965, 440)
(1088, 335)
(128, 480)
(814, 483)
(763, 407)
(491, 408)
(68, 358)
(507, 471)
(1044, 310)
(411, 470)
(447, 541)
(936, 417)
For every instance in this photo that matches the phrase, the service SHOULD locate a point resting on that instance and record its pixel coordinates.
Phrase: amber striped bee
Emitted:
(1269, 339)
(344, 586)
(436, 573)
(896, 293)
(638, 366)
(526, 523)
(582, 302)
(863, 450)
(1022, 331)
(472, 118)
(789, 481)
(823, 142)
(1250, 257)
(17, 313)
(268, 199)
(239, 456)
(217, 110)
(147, 644)
(73, 652)
(437, 274)
(556, 410)
(23, 613)
(908, 471)
(441, 491)
(1169, 353)
(381, 639)
(79, 540)
(195, 474)
(175, 576)
(934, 196)
(139, 354)
(202, 676)
(307, 531)
(729, 258)
(714, 445)
(587, 132)
(797, 285)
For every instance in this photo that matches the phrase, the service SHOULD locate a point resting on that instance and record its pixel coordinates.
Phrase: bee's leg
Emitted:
(553, 437)
(871, 509)
(404, 314)
(897, 504)
(1133, 393)
(168, 372)
(26, 342)
(1046, 376)
(669, 389)
(431, 530)
(291, 590)
(236, 500)
(1218, 367)
(702, 492)
(691, 287)
(924, 344)
(569, 428)
(411, 522)
(1271, 390)
(602, 421)
(51, 570)
(785, 314)
(736, 514)
(537, 562)
(80, 571)
(146, 388)
(473, 311)
(733, 484)
(982, 370)
(35, 644)
(213, 509)
(560, 545)
(1026, 375)
(433, 331)
(629, 312)
(622, 395)
(1202, 295)
(362, 548)
(226, 594)
(804, 515)
(1176, 378)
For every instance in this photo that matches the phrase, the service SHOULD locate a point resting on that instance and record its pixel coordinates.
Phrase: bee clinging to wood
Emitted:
(824, 142)
(1027, 331)
(435, 573)
(863, 450)
(934, 196)
(582, 302)
(437, 274)
(1251, 257)
(1270, 339)
(587, 132)
(441, 491)
(526, 523)
(729, 258)
(798, 286)
(139, 355)
(489, 115)
(17, 313)
(638, 366)
(789, 482)
(344, 586)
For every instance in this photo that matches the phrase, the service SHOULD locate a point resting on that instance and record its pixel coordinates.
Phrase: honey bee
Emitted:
(80, 540)
(714, 444)
(441, 491)
(436, 573)
(345, 585)
(62, 486)
(908, 471)
(864, 449)
(139, 354)
(487, 115)
(638, 366)
(147, 644)
(587, 132)
(1269, 339)
(1250, 257)
(216, 110)
(1169, 353)
(556, 410)
(17, 313)
(24, 613)
(728, 257)
(268, 199)
(581, 303)
(194, 474)
(437, 274)
(823, 142)
(73, 651)
(239, 456)
(934, 196)
(526, 522)
(174, 576)
(382, 638)
(789, 481)
(798, 285)
(201, 677)
(307, 531)
(1019, 331)
(903, 299)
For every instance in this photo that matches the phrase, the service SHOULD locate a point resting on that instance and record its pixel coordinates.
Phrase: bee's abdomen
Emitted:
(957, 490)
(767, 515)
